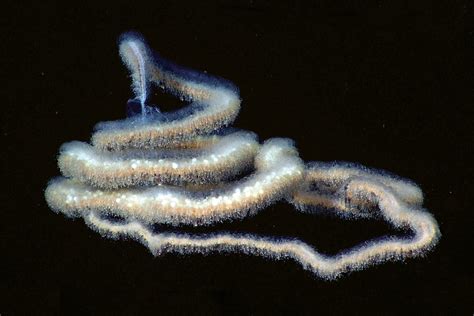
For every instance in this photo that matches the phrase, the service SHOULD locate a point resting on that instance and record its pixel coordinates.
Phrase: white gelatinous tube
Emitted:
(397, 212)
(278, 171)
(227, 157)
(177, 169)
(214, 104)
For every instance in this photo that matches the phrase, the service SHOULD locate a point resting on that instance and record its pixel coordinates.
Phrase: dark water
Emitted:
(388, 86)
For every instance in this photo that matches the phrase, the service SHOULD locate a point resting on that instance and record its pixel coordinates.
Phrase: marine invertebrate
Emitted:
(180, 168)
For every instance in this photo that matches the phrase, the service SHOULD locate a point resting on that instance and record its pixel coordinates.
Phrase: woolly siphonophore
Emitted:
(182, 168)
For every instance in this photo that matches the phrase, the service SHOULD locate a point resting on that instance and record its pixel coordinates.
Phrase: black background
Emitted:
(388, 85)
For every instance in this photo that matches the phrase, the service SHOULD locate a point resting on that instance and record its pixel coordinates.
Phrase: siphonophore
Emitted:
(182, 168)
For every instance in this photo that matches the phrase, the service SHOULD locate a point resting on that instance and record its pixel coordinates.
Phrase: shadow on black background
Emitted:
(386, 85)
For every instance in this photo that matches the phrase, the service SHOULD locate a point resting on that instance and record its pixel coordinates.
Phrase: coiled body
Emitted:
(183, 169)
